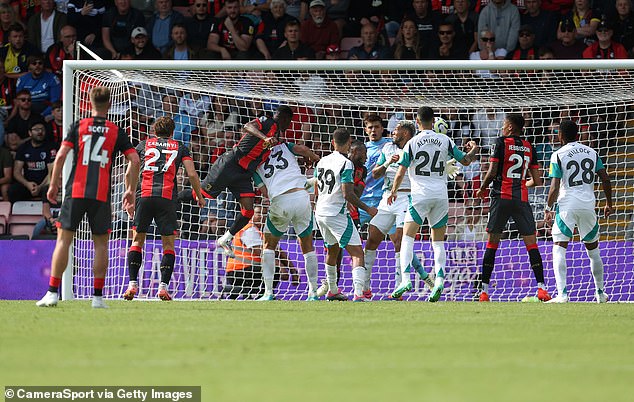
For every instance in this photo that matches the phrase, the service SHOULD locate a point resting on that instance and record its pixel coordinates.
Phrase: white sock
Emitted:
(331, 278)
(397, 273)
(369, 258)
(559, 265)
(485, 288)
(440, 259)
(596, 266)
(358, 280)
(407, 253)
(162, 285)
(133, 284)
(310, 261)
(268, 270)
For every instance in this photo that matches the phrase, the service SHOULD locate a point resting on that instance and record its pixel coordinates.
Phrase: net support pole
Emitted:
(68, 107)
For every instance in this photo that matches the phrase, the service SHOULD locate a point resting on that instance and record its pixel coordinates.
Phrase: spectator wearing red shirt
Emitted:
(232, 37)
(605, 47)
(319, 31)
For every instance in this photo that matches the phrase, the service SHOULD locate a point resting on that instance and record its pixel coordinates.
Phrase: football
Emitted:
(440, 125)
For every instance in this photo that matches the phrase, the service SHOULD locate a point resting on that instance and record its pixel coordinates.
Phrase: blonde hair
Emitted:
(100, 97)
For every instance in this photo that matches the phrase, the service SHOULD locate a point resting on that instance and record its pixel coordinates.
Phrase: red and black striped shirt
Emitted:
(95, 141)
(161, 157)
(514, 156)
(250, 149)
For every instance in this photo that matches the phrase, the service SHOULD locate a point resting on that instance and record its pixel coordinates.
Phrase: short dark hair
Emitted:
(284, 110)
(516, 120)
(16, 27)
(426, 114)
(341, 136)
(178, 25)
(569, 130)
(292, 23)
(164, 127)
(371, 118)
(357, 144)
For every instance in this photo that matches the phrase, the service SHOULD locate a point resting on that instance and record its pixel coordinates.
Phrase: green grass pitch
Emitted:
(299, 351)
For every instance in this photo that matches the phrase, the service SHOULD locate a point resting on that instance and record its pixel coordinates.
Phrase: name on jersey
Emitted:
(98, 129)
(520, 148)
(424, 141)
(166, 144)
(575, 151)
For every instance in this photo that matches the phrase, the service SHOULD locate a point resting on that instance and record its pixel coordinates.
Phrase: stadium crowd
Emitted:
(38, 36)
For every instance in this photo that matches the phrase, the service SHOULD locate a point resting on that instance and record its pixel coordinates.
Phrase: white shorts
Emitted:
(585, 219)
(290, 208)
(388, 215)
(338, 230)
(435, 210)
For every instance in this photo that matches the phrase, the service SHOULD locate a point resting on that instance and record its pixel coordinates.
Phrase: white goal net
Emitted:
(211, 101)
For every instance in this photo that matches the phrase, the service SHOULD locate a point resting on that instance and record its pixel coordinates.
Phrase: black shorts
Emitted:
(99, 215)
(225, 173)
(502, 210)
(159, 209)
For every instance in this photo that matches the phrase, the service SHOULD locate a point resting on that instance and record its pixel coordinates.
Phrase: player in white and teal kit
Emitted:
(335, 188)
(394, 214)
(572, 169)
(424, 159)
(282, 181)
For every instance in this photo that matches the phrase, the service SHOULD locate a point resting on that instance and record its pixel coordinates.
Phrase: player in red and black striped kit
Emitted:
(162, 156)
(511, 158)
(235, 168)
(95, 142)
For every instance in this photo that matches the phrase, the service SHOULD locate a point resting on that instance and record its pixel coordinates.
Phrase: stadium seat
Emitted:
(349, 43)
(21, 229)
(27, 208)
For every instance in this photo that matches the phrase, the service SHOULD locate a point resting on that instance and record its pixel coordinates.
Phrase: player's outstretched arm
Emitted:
(607, 190)
(58, 165)
(190, 169)
(252, 129)
(488, 179)
(350, 196)
(303, 150)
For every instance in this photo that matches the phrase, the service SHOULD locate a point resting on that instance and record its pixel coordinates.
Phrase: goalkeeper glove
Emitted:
(310, 184)
(453, 169)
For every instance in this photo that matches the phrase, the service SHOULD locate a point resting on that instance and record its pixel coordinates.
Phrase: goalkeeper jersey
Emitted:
(331, 172)
(575, 164)
(280, 172)
(425, 156)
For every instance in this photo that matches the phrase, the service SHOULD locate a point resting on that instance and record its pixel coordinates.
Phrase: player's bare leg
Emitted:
(167, 266)
(99, 268)
(135, 259)
(536, 265)
(246, 213)
(58, 266)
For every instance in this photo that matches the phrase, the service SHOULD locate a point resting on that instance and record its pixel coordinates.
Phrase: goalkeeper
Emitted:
(234, 169)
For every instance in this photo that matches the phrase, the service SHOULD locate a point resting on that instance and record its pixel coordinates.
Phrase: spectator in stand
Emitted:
(370, 49)
(198, 25)
(319, 31)
(140, 47)
(546, 53)
(14, 54)
(487, 51)
(296, 8)
(487, 124)
(336, 11)
(117, 26)
(19, 121)
(407, 45)
(255, 8)
(43, 28)
(7, 95)
(294, 49)
(270, 34)
(25, 9)
(6, 172)
(159, 25)
(33, 165)
(558, 7)
(605, 47)
(50, 213)
(543, 22)
(526, 49)
(44, 86)
(502, 18)
(427, 23)
(86, 16)
(396, 11)
(54, 128)
(586, 20)
(447, 48)
(465, 25)
(62, 50)
(623, 24)
(180, 48)
(7, 17)
(567, 46)
(185, 125)
(362, 12)
(232, 37)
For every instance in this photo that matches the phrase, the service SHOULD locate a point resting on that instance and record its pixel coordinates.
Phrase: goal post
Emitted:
(212, 100)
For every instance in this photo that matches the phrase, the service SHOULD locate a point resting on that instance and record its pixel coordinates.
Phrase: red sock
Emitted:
(98, 285)
(53, 284)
